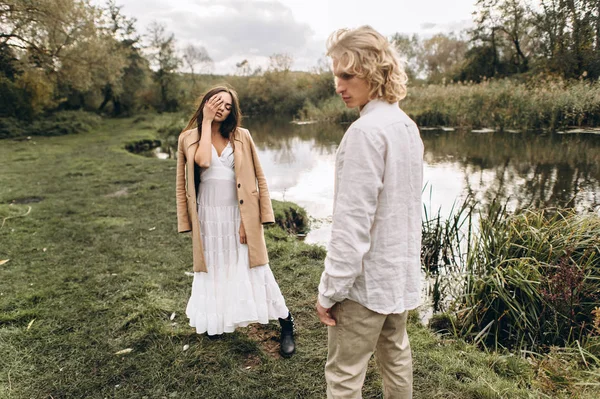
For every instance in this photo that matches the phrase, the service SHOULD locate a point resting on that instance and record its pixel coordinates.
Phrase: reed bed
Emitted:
(528, 280)
(542, 103)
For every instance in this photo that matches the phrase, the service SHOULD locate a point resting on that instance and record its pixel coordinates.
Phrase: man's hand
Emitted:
(325, 315)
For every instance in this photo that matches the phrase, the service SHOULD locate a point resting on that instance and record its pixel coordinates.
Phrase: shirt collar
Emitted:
(376, 104)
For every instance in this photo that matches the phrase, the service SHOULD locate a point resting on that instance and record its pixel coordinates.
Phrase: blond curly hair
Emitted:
(365, 53)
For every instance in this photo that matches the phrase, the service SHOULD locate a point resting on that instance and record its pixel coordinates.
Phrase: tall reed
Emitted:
(528, 280)
(542, 103)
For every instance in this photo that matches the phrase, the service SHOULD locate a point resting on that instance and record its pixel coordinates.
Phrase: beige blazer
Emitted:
(252, 191)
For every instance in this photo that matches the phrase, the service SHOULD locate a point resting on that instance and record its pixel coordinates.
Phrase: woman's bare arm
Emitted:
(203, 153)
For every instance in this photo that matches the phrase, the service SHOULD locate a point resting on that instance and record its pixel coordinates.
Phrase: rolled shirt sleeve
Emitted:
(360, 167)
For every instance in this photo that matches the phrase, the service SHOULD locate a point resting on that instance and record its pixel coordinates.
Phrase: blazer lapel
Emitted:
(193, 138)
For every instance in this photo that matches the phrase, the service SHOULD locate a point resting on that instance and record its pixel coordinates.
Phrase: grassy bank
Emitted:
(93, 295)
(542, 103)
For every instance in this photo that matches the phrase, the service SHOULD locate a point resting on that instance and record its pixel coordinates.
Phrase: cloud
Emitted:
(233, 30)
(430, 28)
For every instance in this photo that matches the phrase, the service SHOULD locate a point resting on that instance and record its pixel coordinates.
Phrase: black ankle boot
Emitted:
(287, 346)
(215, 337)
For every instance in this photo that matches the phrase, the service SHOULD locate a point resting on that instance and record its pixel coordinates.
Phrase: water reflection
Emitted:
(524, 169)
(299, 163)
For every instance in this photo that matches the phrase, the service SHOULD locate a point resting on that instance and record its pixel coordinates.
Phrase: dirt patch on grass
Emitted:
(267, 338)
(27, 200)
(251, 362)
(120, 193)
(110, 221)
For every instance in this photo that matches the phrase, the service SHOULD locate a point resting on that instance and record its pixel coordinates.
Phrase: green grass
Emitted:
(96, 266)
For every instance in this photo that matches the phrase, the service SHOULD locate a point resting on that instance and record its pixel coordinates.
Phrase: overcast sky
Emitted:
(234, 30)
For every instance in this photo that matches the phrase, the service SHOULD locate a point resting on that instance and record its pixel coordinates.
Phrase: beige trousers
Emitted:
(352, 341)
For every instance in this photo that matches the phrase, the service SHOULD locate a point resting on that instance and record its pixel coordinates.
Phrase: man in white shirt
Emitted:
(372, 269)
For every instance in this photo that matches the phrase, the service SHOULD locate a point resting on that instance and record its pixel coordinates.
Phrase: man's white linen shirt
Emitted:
(373, 257)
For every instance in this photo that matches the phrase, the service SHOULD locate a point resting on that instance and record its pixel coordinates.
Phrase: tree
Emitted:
(63, 42)
(409, 48)
(124, 94)
(280, 62)
(485, 33)
(243, 68)
(568, 34)
(503, 31)
(597, 22)
(163, 57)
(8, 62)
(322, 85)
(23, 92)
(477, 64)
(62, 37)
(194, 56)
(441, 57)
(515, 23)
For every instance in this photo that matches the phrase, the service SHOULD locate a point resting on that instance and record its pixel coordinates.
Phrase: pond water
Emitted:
(523, 169)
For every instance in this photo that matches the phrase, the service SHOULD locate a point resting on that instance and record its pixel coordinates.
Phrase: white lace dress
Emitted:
(230, 294)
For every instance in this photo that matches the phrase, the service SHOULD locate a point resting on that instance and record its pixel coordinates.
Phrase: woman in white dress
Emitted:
(232, 289)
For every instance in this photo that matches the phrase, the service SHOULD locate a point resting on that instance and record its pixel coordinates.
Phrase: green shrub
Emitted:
(11, 127)
(57, 124)
(14, 101)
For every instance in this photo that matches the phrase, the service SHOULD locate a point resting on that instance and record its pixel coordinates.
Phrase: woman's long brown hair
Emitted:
(229, 125)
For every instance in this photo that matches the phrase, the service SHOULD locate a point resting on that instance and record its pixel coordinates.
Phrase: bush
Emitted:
(280, 93)
(58, 124)
(527, 280)
(11, 127)
(14, 101)
(66, 122)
